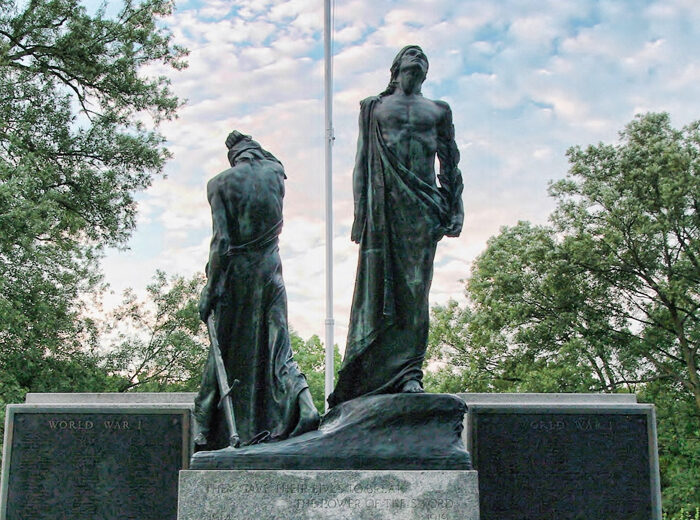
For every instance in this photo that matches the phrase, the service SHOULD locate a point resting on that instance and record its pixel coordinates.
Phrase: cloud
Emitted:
(525, 81)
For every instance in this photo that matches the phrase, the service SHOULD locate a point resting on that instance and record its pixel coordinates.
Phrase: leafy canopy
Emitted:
(630, 217)
(606, 298)
(78, 139)
(310, 355)
(158, 344)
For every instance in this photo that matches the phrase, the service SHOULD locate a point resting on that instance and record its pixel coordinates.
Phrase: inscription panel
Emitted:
(85, 465)
(563, 466)
(323, 494)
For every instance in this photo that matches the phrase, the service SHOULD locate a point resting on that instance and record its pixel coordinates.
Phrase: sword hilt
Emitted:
(230, 391)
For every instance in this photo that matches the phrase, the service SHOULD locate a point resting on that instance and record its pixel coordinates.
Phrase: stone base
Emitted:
(328, 494)
(379, 432)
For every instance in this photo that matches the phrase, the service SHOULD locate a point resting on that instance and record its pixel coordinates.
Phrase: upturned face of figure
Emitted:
(414, 58)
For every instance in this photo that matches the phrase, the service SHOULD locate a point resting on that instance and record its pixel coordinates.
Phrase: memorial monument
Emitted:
(392, 450)
(83, 456)
(385, 450)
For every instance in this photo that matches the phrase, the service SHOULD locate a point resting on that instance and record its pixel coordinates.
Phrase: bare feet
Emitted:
(308, 416)
(200, 439)
(412, 387)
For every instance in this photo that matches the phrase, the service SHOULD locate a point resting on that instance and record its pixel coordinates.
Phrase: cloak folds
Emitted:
(251, 325)
(399, 218)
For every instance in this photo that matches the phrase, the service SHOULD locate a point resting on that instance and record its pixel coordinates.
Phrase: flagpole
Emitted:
(328, 96)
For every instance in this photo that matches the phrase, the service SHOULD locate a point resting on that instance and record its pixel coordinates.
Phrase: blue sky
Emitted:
(525, 81)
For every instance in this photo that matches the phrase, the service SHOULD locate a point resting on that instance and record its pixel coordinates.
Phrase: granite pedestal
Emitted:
(328, 494)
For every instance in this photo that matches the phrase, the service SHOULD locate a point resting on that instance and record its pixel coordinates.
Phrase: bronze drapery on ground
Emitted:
(400, 215)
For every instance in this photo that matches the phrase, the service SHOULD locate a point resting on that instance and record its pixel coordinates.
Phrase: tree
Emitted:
(630, 217)
(540, 323)
(604, 299)
(679, 448)
(631, 222)
(64, 371)
(310, 354)
(78, 138)
(451, 366)
(529, 326)
(161, 344)
(608, 297)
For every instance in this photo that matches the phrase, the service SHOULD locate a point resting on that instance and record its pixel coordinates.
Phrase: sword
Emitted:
(226, 402)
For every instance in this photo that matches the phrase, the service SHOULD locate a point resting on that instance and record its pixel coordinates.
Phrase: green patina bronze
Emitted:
(246, 293)
(400, 215)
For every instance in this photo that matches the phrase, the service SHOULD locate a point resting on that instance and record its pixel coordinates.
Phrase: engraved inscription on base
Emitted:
(291, 495)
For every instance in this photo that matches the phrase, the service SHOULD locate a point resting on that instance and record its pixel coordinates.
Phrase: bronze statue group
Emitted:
(402, 209)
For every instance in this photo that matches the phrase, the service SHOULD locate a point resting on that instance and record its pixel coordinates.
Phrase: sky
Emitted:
(525, 80)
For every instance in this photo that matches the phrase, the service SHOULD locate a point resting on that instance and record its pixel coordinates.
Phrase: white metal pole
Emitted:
(328, 95)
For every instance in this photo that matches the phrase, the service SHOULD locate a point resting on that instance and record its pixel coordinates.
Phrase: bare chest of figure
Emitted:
(409, 127)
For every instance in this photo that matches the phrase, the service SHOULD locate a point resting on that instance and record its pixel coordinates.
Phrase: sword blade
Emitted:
(226, 401)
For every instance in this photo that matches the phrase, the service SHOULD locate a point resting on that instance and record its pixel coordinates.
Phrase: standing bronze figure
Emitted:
(246, 294)
(400, 215)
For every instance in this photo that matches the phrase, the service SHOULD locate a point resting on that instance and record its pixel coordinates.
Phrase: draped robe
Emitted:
(250, 308)
(399, 218)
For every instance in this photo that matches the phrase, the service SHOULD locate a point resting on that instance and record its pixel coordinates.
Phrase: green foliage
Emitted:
(445, 380)
(608, 298)
(605, 299)
(631, 223)
(310, 355)
(32, 372)
(679, 448)
(540, 323)
(75, 145)
(683, 514)
(453, 366)
(158, 345)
